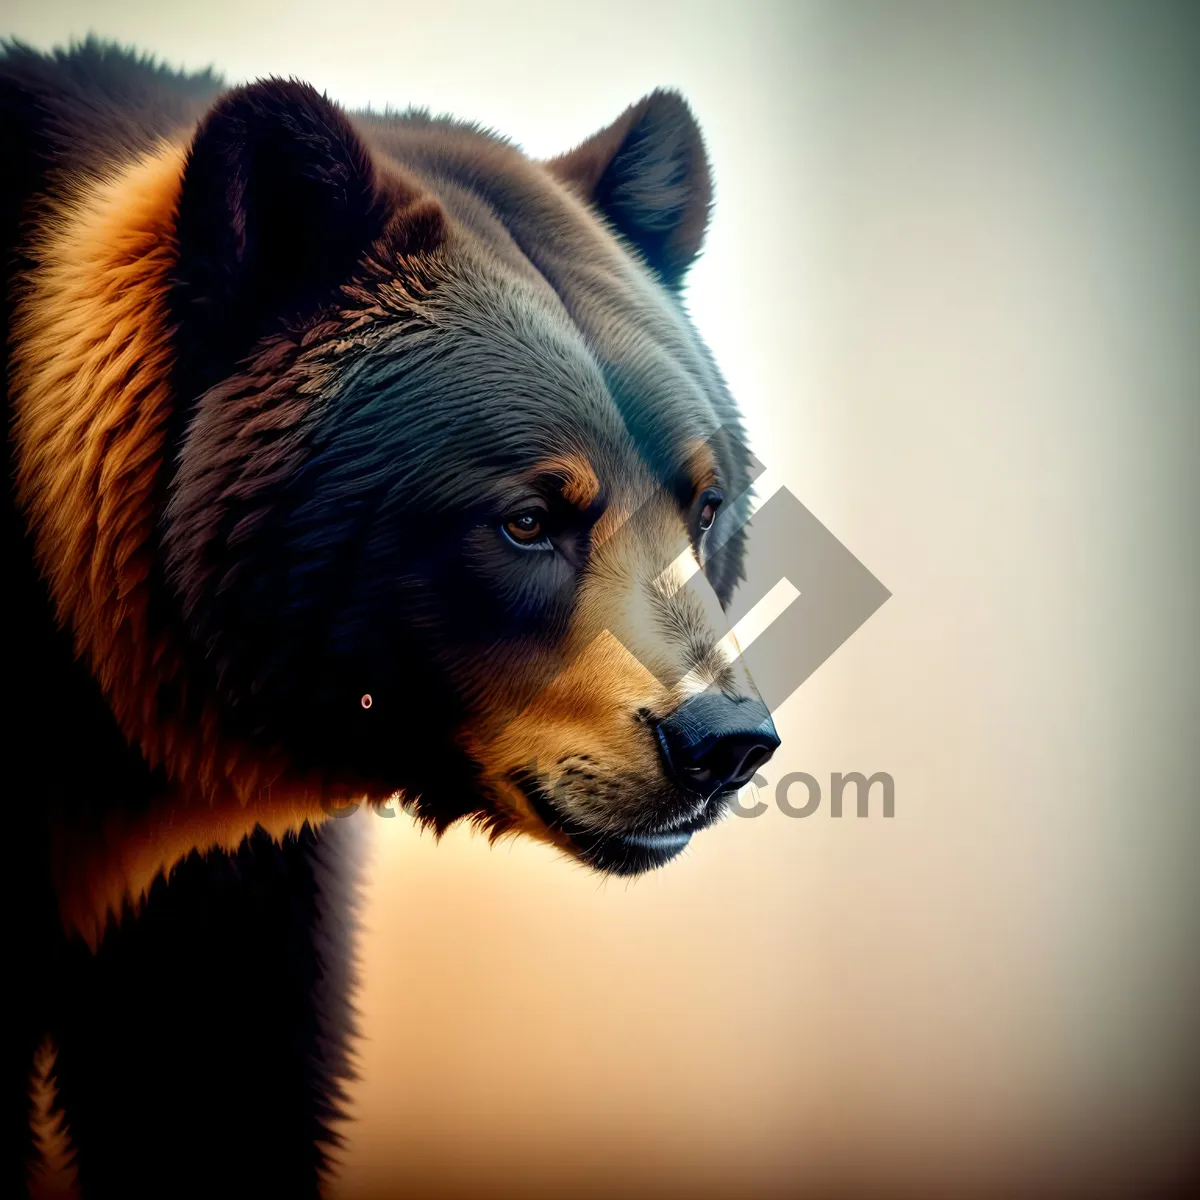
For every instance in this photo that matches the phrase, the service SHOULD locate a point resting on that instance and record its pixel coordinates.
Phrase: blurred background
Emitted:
(954, 277)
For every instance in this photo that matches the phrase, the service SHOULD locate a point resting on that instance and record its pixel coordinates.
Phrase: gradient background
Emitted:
(954, 277)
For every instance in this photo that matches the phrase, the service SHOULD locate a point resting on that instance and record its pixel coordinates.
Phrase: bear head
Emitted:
(453, 486)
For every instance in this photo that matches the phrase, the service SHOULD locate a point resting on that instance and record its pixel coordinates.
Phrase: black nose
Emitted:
(713, 742)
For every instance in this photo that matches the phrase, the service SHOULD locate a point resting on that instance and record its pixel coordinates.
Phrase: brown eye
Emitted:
(708, 509)
(526, 530)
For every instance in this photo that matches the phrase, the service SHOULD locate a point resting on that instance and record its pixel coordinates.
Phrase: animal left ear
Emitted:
(647, 173)
(280, 198)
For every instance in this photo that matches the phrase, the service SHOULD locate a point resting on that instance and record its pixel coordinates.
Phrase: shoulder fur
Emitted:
(90, 364)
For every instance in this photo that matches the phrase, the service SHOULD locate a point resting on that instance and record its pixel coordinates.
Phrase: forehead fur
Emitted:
(516, 214)
(479, 379)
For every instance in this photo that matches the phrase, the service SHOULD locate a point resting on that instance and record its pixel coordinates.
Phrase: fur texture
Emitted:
(306, 407)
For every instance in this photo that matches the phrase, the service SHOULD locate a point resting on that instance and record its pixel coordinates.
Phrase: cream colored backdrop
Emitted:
(954, 276)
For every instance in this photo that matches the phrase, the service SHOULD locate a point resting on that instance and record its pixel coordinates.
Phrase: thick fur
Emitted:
(277, 379)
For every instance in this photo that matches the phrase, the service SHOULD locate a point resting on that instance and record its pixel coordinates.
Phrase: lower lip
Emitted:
(630, 853)
(649, 849)
(657, 841)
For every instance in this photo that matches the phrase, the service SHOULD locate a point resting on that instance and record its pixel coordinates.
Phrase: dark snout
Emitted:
(714, 743)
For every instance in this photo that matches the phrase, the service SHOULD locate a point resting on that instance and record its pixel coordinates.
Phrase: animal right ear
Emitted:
(648, 174)
(280, 199)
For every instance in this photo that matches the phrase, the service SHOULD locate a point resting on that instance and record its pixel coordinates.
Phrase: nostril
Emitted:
(733, 760)
(752, 760)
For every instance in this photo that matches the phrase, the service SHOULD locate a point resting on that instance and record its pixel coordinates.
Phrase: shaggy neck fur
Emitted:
(91, 359)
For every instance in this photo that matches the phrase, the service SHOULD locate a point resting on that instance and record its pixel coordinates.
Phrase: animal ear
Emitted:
(280, 198)
(647, 173)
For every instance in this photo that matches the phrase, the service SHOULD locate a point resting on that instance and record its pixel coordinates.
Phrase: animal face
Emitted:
(446, 511)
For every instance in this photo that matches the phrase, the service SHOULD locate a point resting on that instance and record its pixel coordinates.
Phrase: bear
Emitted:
(351, 457)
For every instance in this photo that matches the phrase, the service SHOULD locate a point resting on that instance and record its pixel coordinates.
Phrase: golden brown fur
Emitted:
(90, 392)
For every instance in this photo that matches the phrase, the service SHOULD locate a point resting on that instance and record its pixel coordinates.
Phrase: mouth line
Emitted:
(616, 851)
(674, 837)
